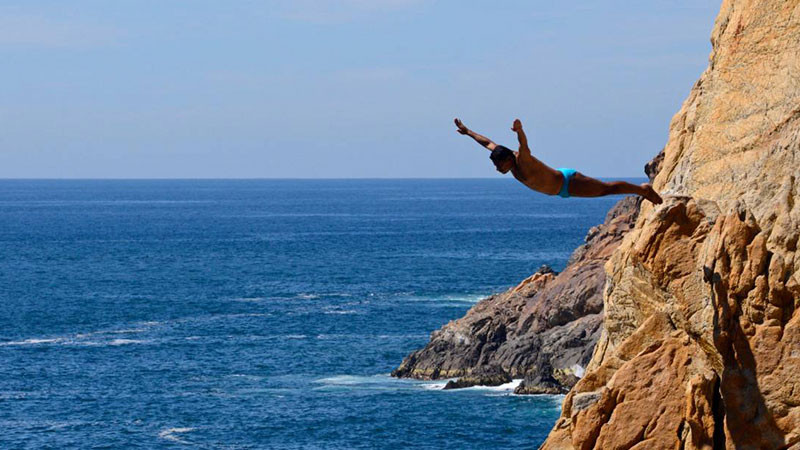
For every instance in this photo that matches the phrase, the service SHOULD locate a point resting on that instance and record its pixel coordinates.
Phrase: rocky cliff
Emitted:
(544, 329)
(701, 340)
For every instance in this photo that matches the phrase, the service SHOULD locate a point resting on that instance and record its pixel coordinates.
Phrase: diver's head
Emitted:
(503, 159)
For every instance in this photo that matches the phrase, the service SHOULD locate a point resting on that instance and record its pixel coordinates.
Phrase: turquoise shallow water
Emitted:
(260, 314)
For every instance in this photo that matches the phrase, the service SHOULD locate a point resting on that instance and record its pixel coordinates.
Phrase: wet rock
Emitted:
(482, 376)
(544, 381)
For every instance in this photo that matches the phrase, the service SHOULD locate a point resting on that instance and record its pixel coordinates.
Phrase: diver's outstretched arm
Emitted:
(523, 140)
(480, 139)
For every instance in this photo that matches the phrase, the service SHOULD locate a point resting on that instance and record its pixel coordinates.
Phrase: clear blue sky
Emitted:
(351, 88)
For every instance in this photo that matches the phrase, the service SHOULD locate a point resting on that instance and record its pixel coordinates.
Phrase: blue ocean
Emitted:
(261, 313)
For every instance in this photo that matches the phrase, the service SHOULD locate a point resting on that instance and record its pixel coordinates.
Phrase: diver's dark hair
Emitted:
(501, 153)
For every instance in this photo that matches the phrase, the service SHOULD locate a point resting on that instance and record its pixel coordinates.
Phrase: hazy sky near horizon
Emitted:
(350, 88)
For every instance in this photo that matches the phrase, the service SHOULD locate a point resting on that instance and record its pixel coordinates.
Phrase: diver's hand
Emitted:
(517, 126)
(461, 128)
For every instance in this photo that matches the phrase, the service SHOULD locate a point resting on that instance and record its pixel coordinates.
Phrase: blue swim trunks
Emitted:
(568, 173)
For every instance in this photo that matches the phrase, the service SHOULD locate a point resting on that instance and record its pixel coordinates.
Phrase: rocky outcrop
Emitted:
(701, 340)
(542, 330)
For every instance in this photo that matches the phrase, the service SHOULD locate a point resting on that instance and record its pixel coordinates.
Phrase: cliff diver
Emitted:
(542, 178)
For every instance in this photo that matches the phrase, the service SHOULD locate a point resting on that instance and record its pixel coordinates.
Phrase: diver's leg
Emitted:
(582, 186)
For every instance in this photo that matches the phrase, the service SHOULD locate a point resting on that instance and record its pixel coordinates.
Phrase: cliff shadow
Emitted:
(748, 422)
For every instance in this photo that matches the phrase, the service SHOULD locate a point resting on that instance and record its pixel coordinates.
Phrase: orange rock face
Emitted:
(701, 340)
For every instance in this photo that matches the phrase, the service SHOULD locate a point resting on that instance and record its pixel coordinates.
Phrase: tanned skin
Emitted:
(542, 178)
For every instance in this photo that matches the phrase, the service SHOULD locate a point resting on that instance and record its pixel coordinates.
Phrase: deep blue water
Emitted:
(260, 314)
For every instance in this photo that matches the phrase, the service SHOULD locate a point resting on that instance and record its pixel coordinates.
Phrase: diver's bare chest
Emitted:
(528, 179)
(537, 181)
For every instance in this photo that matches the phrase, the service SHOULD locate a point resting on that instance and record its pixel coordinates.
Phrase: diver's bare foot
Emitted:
(461, 128)
(651, 194)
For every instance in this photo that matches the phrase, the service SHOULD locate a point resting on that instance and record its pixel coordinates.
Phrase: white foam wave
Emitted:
(507, 387)
(170, 434)
(102, 332)
(57, 426)
(78, 340)
(371, 382)
(343, 380)
(387, 382)
(380, 382)
(466, 298)
(33, 341)
(127, 341)
(127, 331)
(436, 385)
(13, 395)
(247, 377)
(96, 338)
(332, 336)
(109, 343)
(341, 311)
(503, 388)
(250, 299)
(447, 300)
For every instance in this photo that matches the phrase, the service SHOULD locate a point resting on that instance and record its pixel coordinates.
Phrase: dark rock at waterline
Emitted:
(482, 376)
(539, 386)
(545, 380)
